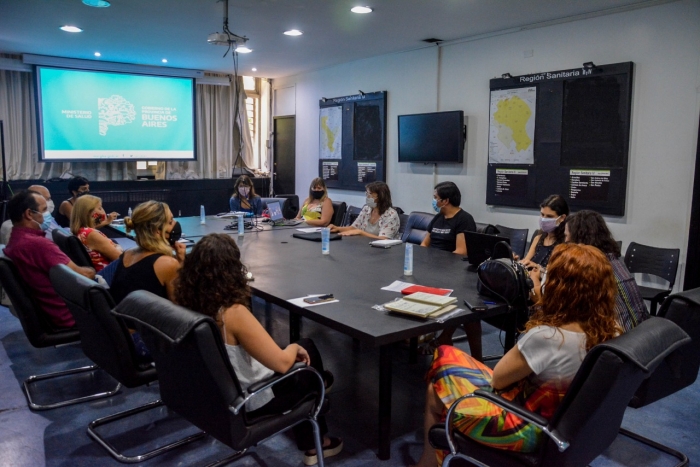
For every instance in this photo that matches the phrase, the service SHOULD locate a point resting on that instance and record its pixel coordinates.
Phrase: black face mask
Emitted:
(175, 234)
(317, 194)
(82, 193)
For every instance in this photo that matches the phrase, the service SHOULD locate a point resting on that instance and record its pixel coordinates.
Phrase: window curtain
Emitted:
(218, 135)
(18, 113)
(265, 151)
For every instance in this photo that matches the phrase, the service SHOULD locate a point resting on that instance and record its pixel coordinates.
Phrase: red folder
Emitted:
(422, 288)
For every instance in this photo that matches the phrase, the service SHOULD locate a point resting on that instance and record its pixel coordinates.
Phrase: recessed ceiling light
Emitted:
(97, 3)
(165, 60)
(243, 49)
(293, 32)
(68, 28)
(361, 9)
(97, 54)
(254, 69)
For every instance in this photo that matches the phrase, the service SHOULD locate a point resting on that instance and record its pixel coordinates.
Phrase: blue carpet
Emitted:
(58, 437)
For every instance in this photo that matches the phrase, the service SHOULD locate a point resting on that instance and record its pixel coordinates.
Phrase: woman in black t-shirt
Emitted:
(446, 232)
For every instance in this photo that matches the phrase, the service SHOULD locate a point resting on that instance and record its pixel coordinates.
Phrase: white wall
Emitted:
(663, 42)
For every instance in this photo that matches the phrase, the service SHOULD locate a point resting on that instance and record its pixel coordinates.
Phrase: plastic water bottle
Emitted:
(202, 218)
(326, 240)
(408, 260)
(241, 225)
(128, 213)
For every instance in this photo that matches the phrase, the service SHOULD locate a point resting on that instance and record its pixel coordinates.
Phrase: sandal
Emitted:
(335, 446)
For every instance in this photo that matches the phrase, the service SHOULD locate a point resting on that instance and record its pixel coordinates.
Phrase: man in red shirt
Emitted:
(34, 254)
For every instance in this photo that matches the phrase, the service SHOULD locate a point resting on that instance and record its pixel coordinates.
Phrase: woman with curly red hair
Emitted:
(575, 313)
(212, 281)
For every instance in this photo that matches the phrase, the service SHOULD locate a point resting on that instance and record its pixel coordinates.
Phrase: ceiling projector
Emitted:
(219, 38)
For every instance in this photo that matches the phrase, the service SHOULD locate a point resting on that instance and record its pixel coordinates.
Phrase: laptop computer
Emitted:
(275, 210)
(480, 246)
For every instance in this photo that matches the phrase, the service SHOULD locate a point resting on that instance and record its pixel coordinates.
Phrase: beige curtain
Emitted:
(18, 113)
(218, 135)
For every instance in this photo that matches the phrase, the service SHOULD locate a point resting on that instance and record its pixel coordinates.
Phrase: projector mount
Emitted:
(227, 38)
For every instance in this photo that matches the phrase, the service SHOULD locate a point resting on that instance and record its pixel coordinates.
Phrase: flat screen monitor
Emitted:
(109, 116)
(432, 137)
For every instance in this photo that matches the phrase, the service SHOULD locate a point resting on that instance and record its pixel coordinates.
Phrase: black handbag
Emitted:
(503, 278)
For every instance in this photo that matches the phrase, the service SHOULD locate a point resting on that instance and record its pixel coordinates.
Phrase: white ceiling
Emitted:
(145, 31)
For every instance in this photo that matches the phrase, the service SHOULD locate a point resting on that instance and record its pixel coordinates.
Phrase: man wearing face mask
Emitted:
(34, 255)
(6, 228)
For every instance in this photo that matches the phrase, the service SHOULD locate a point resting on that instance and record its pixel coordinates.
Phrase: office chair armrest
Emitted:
(530, 417)
(260, 386)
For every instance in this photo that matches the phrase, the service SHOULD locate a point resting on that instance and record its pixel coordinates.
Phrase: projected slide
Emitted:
(92, 115)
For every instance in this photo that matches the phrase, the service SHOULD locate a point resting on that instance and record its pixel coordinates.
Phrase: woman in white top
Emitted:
(576, 313)
(377, 219)
(212, 281)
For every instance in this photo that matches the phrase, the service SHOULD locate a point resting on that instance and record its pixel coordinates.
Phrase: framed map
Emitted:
(331, 132)
(512, 126)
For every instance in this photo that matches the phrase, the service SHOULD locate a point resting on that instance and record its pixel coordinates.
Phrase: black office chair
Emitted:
(679, 369)
(338, 213)
(41, 333)
(416, 227)
(198, 382)
(350, 215)
(486, 228)
(660, 262)
(106, 340)
(518, 238)
(290, 207)
(588, 419)
(72, 247)
(403, 220)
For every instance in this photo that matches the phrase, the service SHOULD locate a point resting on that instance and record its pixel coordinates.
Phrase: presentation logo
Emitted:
(115, 111)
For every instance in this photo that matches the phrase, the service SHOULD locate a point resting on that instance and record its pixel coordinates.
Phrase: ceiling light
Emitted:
(361, 9)
(254, 69)
(165, 60)
(68, 28)
(97, 3)
(293, 32)
(97, 54)
(242, 49)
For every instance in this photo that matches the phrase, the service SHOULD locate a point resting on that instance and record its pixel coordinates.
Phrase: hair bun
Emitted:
(128, 223)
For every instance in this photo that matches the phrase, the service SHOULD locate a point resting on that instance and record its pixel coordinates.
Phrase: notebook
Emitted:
(480, 246)
(275, 210)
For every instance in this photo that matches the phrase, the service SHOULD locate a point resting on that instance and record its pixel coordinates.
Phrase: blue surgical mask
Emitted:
(44, 226)
(548, 224)
(435, 206)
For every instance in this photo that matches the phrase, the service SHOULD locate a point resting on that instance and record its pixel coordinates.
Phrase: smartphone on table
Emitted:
(320, 299)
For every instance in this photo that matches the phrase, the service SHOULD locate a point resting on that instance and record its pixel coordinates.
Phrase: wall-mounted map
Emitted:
(331, 132)
(512, 126)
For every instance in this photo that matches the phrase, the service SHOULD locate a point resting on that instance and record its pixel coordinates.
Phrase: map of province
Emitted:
(331, 133)
(115, 111)
(512, 126)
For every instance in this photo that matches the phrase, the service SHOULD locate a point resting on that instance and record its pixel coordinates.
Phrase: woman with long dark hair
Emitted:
(553, 212)
(212, 281)
(575, 314)
(244, 198)
(378, 219)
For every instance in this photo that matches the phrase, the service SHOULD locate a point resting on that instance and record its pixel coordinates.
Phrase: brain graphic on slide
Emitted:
(115, 111)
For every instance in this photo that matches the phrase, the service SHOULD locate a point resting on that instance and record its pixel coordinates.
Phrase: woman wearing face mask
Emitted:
(154, 263)
(377, 219)
(77, 187)
(553, 212)
(244, 198)
(317, 209)
(86, 214)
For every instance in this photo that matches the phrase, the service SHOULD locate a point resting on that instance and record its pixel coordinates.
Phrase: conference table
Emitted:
(286, 268)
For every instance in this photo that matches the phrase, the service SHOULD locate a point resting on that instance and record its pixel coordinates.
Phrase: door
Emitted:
(284, 154)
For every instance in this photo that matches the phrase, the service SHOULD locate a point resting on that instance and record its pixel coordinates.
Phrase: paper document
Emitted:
(310, 229)
(302, 304)
(397, 286)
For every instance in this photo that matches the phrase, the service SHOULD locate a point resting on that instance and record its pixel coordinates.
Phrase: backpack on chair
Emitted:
(503, 278)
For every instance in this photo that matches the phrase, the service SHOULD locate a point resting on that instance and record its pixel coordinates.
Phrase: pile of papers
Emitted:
(422, 305)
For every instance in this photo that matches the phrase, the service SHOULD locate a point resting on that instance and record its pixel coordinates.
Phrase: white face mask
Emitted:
(244, 190)
(371, 202)
(50, 205)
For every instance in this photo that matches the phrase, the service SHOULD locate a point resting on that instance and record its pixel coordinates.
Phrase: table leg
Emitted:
(294, 326)
(385, 352)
